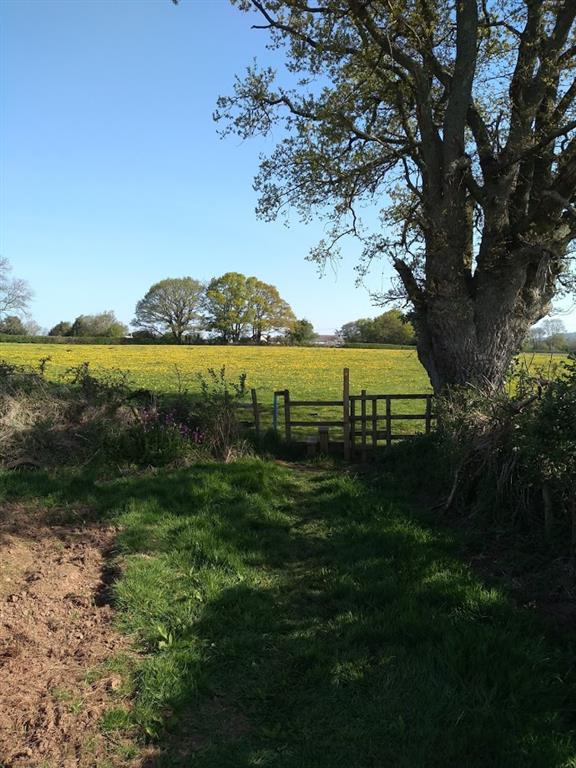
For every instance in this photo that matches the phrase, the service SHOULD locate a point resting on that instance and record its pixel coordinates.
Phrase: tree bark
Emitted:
(468, 332)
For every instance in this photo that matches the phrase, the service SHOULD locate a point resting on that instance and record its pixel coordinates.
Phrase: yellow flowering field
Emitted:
(308, 372)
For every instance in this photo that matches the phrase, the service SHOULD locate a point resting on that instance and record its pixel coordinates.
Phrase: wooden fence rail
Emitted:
(363, 424)
(367, 420)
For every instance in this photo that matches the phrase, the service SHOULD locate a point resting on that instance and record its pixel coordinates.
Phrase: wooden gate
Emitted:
(365, 422)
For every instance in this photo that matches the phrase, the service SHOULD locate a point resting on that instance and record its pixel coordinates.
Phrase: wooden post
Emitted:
(428, 415)
(287, 425)
(374, 424)
(323, 435)
(353, 427)
(388, 422)
(363, 422)
(256, 410)
(346, 412)
(275, 413)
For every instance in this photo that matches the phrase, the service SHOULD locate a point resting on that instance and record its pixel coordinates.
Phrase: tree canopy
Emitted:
(236, 307)
(301, 333)
(12, 325)
(456, 119)
(104, 324)
(391, 327)
(170, 306)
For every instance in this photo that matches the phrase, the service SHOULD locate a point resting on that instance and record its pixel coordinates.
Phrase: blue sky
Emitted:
(112, 173)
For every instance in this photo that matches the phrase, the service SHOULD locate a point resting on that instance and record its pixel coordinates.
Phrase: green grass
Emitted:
(309, 373)
(311, 619)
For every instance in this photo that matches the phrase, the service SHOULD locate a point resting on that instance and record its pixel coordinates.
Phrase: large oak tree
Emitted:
(170, 306)
(456, 118)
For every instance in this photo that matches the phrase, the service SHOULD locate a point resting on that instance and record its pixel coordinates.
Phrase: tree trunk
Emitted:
(468, 332)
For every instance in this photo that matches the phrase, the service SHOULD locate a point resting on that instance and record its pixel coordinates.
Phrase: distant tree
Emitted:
(536, 337)
(15, 294)
(12, 325)
(391, 327)
(554, 332)
(228, 308)
(63, 328)
(144, 334)
(350, 332)
(268, 311)
(32, 328)
(301, 333)
(170, 306)
(103, 324)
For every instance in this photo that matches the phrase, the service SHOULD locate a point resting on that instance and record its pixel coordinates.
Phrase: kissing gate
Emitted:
(359, 423)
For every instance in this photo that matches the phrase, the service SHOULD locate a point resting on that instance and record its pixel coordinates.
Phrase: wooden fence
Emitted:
(364, 424)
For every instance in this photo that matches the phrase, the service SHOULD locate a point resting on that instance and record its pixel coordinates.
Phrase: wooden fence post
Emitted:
(388, 422)
(323, 439)
(363, 423)
(275, 413)
(346, 412)
(287, 425)
(374, 424)
(256, 409)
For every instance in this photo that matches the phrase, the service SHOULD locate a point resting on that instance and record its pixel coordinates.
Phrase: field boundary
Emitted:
(360, 423)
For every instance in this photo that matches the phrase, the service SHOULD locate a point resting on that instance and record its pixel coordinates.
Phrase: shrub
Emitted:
(513, 453)
(218, 412)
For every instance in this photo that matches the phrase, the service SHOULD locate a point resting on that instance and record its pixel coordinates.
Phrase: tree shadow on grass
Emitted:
(357, 639)
(312, 621)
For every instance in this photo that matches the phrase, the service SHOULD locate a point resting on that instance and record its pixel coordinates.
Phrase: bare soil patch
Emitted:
(56, 627)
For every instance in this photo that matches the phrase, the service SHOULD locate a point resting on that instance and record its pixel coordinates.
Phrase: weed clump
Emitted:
(86, 417)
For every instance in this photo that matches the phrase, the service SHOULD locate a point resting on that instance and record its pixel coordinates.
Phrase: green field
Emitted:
(306, 371)
(309, 372)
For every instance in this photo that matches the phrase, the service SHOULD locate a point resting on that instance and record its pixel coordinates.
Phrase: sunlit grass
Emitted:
(308, 619)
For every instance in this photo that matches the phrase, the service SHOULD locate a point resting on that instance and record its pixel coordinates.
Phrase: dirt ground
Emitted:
(55, 636)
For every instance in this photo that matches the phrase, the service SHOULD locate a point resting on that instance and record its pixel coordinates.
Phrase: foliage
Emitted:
(301, 333)
(269, 312)
(457, 119)
(103, 324)
(172, 306)
(15, 294)
(237, 306)
(63, 328)
(12, 325)
(218, 412)
(391, 327)
(158, 437)
(43, 424)
(514, 453)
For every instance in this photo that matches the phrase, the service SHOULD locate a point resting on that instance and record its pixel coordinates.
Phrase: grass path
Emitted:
(307, 619)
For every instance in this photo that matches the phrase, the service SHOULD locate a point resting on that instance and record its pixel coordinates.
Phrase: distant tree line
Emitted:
(230, 309)
(550, 336)
(102, 324)
(392, 327)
